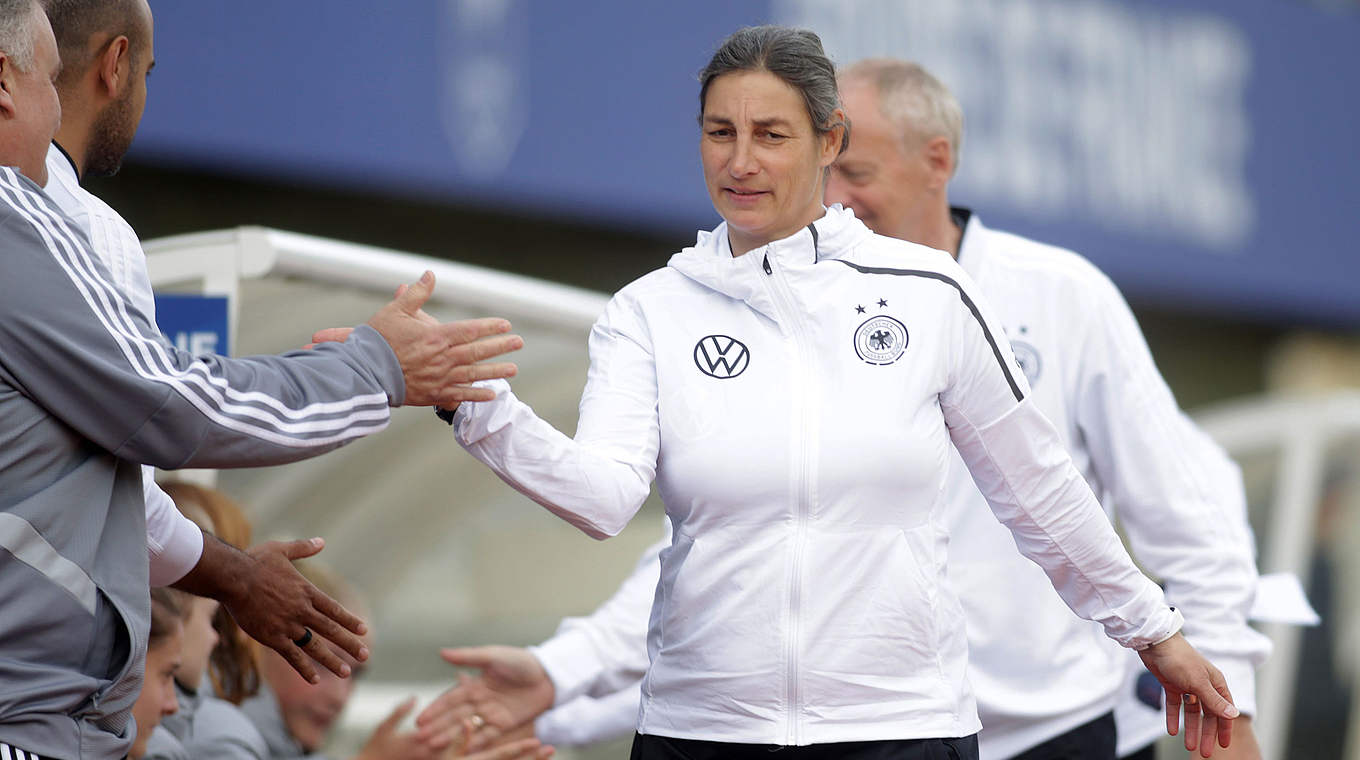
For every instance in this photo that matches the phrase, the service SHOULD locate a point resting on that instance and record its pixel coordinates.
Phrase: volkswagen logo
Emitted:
(721, 357)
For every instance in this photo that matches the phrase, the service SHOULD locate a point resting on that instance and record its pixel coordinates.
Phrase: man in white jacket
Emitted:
(1046, 681)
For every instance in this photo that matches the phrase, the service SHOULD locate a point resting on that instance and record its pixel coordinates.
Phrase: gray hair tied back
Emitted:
(793, 55)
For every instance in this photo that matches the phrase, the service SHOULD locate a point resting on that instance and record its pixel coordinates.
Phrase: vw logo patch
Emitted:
(721, 356)
(881, 340)
(1028, 359)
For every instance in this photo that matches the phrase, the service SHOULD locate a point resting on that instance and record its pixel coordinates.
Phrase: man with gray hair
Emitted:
(89, 391)
(1046, 682)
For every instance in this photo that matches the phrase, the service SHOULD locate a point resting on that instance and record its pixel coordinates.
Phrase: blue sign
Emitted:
(194, 323)
(1202, 152)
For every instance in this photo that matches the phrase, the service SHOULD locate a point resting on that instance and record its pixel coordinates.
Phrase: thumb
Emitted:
(303, 548)
(417, 294)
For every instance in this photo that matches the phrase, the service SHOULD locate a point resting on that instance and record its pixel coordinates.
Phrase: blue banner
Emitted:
(194, 323)
(1203, 152)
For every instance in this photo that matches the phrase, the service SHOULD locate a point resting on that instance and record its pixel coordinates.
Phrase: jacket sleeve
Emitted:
(598, 480)
(174, 543)
(587, 720)
(1019, 464)
(1178, 495)
(78, 349)
(606, 650)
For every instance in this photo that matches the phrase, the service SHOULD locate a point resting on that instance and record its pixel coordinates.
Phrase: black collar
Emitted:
(70, 160)
(960, 215)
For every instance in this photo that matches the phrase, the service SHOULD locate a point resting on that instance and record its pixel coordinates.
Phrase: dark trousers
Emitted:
(646, 747)
(1089, 741)
(1147, 753)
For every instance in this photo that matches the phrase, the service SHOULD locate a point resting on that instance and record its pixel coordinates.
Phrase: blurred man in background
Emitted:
(88, 388)
(1047, 683)
(1034, 666)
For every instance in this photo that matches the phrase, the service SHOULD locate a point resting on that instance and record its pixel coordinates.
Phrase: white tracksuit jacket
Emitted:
(796, 407)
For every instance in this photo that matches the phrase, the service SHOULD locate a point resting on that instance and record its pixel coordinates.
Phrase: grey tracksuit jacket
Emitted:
(88, 392)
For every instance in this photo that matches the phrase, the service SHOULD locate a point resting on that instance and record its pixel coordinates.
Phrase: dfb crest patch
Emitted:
(881, 340)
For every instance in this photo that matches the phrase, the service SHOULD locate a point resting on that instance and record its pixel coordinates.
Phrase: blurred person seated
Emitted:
(213, 645)
(164, 649)
(294, 718)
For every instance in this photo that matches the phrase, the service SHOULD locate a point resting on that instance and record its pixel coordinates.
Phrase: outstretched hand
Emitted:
(1195, 686)
(512, 690)
(275, 605)
(438, 360)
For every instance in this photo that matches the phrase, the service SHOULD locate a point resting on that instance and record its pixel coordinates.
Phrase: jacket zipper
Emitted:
(803, 400)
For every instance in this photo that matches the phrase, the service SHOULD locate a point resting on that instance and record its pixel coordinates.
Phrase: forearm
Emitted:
(222, 572)
(594, 485)
(222, 412)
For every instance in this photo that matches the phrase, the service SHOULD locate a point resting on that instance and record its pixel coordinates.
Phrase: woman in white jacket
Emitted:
(794, 383)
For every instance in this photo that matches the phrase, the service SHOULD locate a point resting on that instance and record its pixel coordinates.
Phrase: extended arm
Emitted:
(77, 347)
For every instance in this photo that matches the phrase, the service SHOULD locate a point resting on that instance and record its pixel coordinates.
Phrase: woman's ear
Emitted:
(835, 139)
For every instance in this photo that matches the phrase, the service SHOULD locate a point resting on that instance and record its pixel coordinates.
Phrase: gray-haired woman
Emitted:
(793, 384)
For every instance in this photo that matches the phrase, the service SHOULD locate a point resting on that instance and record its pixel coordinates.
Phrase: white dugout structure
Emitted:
(446, 555)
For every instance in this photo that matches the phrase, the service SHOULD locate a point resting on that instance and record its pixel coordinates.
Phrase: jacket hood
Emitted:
(710, 262)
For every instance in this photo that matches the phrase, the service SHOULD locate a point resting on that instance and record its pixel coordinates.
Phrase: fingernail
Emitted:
(363, 653)
(427, 276)
(1232, 711)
